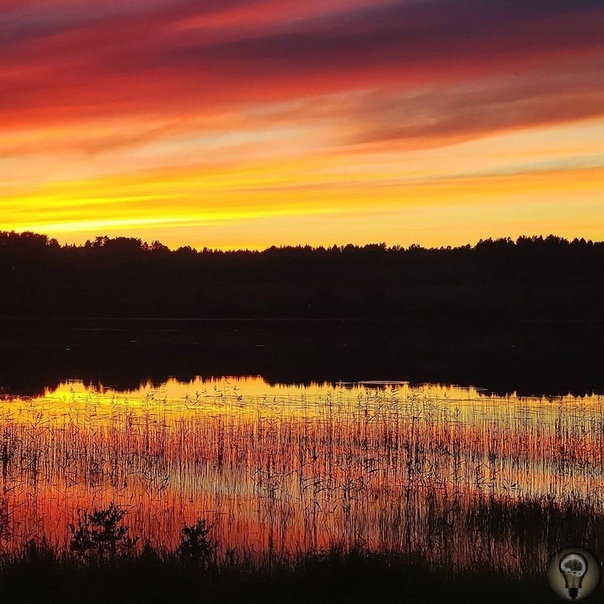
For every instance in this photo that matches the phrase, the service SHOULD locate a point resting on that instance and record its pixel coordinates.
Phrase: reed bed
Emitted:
(493, 482)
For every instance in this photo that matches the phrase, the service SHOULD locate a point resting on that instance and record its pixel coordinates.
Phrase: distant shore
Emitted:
(530, 279)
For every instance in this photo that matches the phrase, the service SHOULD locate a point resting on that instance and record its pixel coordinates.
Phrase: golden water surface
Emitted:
(451, 473)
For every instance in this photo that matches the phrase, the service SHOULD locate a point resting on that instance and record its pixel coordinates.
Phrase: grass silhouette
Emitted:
(41, 574)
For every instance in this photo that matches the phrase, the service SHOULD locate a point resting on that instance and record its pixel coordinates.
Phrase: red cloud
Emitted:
(87, 64)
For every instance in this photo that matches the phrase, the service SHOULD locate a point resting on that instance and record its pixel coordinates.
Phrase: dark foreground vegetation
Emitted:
(332, 577)
(104, 566)
(530, 278)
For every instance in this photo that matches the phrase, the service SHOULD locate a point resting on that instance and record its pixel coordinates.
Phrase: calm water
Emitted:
(460, 475)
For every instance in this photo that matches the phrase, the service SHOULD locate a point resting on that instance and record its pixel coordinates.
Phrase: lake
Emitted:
(457, 474)
(461, 475)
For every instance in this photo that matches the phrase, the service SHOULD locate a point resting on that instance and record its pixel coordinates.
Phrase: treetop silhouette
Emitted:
(529, 278)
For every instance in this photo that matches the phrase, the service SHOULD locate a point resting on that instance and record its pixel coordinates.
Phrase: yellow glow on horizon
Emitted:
(536, 181)
(161, 201)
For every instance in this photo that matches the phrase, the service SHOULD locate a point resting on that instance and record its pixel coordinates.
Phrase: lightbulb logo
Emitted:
(573, 568)
(574, 573)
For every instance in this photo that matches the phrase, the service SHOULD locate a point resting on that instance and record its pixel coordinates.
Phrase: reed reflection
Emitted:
(456, 474)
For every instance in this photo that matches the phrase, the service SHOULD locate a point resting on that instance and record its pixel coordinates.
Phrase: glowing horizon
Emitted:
(264, 123)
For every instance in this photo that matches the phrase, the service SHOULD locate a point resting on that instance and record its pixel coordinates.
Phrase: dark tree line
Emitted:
(529, 278)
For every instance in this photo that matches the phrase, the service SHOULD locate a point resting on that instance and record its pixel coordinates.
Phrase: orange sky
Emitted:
(250, 123)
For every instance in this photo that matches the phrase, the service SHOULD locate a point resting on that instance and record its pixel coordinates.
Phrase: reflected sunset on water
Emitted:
(278, 468)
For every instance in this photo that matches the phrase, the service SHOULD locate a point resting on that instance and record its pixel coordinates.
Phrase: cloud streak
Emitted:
(136, 61)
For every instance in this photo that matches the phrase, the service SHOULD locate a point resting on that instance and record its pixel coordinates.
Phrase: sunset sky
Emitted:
(250, 123)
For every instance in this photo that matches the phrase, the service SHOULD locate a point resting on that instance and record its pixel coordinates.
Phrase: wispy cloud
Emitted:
(135, 59)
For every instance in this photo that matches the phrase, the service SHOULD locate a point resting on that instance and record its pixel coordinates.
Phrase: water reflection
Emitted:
(255, 386)
(458, 474)
(529, 358)
(175, 390)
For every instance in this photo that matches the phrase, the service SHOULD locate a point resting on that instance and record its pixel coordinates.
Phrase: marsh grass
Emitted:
(40, 573)
(492, 483)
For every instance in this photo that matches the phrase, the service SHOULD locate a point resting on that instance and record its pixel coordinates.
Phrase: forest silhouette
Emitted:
(531, 278)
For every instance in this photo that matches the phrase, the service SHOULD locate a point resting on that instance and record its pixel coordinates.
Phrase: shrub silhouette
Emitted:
(101, 533)
(197, 545)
